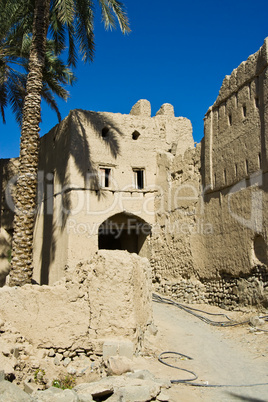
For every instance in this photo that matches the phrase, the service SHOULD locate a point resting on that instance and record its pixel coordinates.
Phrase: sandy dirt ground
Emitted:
(220, 355)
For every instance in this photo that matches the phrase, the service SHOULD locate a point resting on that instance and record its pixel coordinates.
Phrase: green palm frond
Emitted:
(15, 43)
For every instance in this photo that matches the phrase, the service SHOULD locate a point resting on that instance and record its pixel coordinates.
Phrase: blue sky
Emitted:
(177, 52)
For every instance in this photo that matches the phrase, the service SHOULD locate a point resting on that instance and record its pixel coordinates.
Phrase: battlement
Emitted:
(243, 74)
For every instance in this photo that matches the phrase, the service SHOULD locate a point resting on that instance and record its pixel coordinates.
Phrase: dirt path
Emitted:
(220, 356)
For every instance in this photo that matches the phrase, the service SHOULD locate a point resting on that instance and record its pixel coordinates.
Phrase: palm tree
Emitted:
(66, 19)
(13, 77)
(14, 60)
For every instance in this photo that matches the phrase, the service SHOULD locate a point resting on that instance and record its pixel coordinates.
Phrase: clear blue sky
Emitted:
(178, 52)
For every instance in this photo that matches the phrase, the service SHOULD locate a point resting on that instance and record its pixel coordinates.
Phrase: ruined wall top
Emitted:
(166, 110)
(244, 73)
(141, 108)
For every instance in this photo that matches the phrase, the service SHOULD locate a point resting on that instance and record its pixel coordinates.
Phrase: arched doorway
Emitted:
(124, 231)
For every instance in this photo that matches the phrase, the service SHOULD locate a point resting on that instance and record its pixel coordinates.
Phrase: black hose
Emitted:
(161, 357)
(191, 310)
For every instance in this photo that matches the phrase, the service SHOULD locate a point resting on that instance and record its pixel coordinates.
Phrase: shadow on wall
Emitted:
(70, 140)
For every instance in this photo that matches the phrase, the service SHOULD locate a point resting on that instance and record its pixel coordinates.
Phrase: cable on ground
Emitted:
(188, 381)
(191, 310)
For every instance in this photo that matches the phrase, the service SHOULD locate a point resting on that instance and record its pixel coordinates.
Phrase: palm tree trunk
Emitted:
(26, 190)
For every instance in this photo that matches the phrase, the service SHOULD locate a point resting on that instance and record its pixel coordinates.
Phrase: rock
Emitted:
(12, 393)
(5, 350)
(96, 389)
(118, 365)
(35, 364)
(51, 353)
(59, 356)
(148, 376)
(87, 398)
(66, 361)
(138, 393)
(71, 370)
(255, 321)
(56, 361)
(162, 397)
(53, 394)
(7, 365)
(30, 387)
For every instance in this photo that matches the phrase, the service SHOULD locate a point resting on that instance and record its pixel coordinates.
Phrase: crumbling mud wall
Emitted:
(235, 171)
(106, 298)
(176, 236)
(228, 263)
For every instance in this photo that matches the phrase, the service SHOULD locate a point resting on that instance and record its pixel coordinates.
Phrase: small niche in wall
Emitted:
(244, 110)
(230, 119)
(257, 104)
(235, 99)
(105, 132)
(260, 249)
(135, 135)
(249, 90)
(236, 170)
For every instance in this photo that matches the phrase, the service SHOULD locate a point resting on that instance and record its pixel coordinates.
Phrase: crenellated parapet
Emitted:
(244, 74)
(236, 126)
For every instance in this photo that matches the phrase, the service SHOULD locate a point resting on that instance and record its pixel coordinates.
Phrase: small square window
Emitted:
(138, 178)
(104, 177)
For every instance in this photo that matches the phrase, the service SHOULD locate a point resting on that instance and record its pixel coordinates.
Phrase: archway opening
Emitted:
(124, 232)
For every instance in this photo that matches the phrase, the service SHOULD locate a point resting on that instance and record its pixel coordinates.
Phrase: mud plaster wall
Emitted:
(225, 261)
(82, 311)
(235, 170)
(72, 155)
(176, 246)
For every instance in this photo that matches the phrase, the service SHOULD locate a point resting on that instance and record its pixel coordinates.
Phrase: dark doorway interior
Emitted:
(123, 232)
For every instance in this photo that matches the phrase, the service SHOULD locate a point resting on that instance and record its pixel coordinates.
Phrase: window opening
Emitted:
(135, 135)
(104, 176)
(247, 170)
(259, 160)
(236, 169)
(230, 119)
(244, 111)
(105, 132)
(139, 178)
